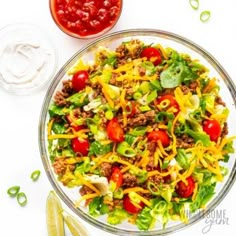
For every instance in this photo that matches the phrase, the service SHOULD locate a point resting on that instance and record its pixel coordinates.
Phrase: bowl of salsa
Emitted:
(85, 18)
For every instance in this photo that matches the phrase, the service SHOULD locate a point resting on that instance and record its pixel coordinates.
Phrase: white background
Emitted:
(19, 115)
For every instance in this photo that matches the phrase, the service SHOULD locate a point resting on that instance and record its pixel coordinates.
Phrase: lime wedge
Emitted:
(55, 224)
(75, 227)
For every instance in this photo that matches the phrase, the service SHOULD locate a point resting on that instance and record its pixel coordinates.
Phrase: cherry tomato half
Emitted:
(116, 177)
(130, 207)
(170, 102)
(159, 135)
(212, 128)
(79, 80)
(184, 190)
(114, 131)
(80, 146)
(152, 54)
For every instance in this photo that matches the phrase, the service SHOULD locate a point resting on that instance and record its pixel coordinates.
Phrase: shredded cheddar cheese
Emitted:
(87, 183)
(135, 189)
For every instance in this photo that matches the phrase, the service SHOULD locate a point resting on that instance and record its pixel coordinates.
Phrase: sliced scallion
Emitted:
(13, 191)
(35, 175)
(124, 149)
(194, 4)
(205, 16)
(21, 198)
(138, 131)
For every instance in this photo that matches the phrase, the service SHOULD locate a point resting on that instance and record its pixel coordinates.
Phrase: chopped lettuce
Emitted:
(110, 60)
(78, 99)
(176, 74)
(149, 67)
(59, 128)
(199, 136)
(55, 110)
(204, 194)
(96, 148)
(97, 207)
(117, 216)
(84, 166)
(182, 159)
(141, 175)
(144, 219)
(130, 139)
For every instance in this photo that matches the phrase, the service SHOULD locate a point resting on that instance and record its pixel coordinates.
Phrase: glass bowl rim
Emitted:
(43, 114)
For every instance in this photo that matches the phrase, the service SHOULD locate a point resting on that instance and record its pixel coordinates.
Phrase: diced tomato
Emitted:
(160, 135)
(183, 190)
(114, 131)
(116, 177)
(80, 146)
(130, 207)
(79, 80)
(168, 101)
(131, 108)
(152, 54)
(212, 128)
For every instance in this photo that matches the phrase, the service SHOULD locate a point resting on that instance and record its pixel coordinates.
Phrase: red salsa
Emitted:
(85, 17)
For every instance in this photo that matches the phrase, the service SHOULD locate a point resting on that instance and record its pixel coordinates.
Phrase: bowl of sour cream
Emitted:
(27, 58)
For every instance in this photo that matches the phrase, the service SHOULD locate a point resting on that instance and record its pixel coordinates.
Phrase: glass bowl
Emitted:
(166, 39)
(85, 19)
(28, 58)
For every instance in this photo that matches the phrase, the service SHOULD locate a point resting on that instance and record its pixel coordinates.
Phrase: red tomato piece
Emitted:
(114, 131)
(116, 177)
(80, 146)
(212, 128)
(79, 80)
(131, 108)
(159, 135)
(183, 190)
(170, 102)
(130, 207)
(152, 54)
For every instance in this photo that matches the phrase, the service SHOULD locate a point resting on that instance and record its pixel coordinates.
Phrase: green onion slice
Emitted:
(124, 149)
(13, 191)
(205, 16)
(35, 175)
(21, 198)
(194, 4)
(138, 131)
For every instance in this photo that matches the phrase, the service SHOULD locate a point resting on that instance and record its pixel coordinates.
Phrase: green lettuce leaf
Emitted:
(144, 219)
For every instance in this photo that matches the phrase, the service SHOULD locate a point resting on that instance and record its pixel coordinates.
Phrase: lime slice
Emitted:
(55, 224)
(75, 227)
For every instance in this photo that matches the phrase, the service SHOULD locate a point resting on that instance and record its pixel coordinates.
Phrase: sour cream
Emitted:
(26, 59)
(22, 62)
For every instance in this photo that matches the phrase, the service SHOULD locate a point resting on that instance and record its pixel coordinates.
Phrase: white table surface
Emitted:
(19, 152)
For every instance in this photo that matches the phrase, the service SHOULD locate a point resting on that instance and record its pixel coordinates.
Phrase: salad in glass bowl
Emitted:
(137, 136)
